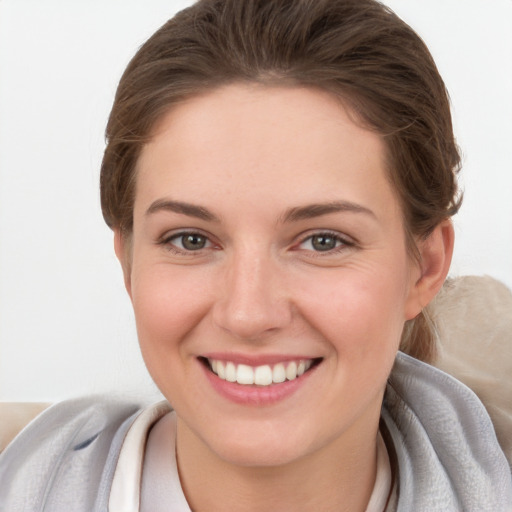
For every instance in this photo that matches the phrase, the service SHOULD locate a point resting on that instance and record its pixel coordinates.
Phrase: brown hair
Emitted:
(357, 49)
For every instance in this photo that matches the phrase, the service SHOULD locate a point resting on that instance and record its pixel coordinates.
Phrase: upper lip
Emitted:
(257, 359)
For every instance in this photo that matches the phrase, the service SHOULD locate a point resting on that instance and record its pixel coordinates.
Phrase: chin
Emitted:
(259, 444)
(258, 455)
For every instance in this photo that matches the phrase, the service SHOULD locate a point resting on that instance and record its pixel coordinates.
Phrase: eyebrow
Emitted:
(317, 210)
(292, 215)
(191, 210)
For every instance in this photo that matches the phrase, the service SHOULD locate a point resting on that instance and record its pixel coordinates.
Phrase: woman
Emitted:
(279, 176)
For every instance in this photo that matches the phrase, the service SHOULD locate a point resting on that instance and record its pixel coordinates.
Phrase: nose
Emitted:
(252, 300)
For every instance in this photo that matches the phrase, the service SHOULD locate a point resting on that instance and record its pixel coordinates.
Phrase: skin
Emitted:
(251, 157)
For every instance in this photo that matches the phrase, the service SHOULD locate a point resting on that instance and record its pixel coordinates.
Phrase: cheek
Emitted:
(360, 313)
(168, 306)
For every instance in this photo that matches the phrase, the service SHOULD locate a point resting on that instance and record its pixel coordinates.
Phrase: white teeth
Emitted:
(230, 372)
(244, 374)
(278, 373)
(221, 371)
(264, 375)
(291, 370)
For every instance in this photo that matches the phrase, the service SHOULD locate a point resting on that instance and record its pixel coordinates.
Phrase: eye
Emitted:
(324, 242)
(187, 242)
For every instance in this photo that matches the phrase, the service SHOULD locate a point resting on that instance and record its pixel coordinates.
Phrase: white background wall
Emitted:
(66, 327)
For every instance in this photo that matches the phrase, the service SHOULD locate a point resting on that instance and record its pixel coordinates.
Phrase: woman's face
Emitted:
(268, 241)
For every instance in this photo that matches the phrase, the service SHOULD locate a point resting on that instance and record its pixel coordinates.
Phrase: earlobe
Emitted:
(123, 254)
(435, 257)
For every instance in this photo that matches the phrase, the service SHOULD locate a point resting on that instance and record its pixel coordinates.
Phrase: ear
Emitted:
(435, 257)
(122, 248)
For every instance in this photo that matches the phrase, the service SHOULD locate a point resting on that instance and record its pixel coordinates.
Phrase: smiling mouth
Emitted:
(264, 375)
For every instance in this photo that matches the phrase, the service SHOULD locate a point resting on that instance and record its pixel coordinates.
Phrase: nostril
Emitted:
(251, 297)
(251, 321)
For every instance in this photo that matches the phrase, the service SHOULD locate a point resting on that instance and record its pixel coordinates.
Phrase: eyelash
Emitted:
(341, 243)
(167, 242)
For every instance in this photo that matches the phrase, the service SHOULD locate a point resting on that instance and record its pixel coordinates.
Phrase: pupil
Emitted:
(323, 242)
(193, 242)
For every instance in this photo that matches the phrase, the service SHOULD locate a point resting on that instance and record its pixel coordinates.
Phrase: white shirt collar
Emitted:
(146, 477)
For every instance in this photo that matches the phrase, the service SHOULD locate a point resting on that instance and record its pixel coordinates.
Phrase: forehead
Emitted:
(275, 145)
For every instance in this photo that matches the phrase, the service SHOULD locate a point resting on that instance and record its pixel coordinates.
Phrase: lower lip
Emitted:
(253, 394)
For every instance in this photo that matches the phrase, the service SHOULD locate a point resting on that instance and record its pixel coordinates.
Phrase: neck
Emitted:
(339, 477)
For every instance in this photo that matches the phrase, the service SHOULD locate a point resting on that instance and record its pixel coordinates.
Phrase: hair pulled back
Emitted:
(358, 50)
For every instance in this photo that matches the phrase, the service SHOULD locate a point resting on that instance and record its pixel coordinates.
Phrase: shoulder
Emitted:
(63, 459)
(447, 453)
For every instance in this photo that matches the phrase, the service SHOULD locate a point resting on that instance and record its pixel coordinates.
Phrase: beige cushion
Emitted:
(473, 316)
(14, 416)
